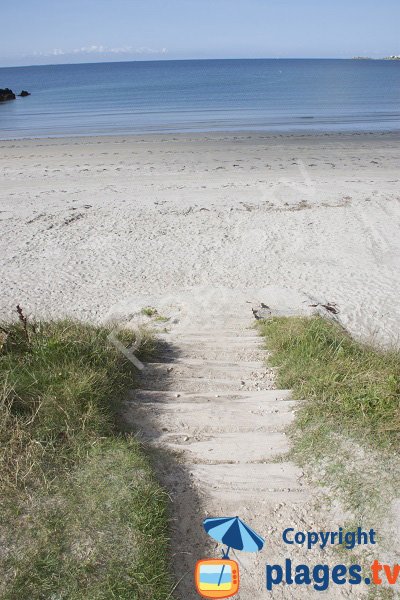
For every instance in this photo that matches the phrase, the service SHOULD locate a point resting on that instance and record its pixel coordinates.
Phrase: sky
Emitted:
(69, 31)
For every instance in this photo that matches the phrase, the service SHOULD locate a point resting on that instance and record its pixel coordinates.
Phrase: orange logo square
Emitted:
(217, 578)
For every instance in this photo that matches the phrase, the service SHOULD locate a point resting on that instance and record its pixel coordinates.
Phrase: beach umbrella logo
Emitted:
(220, 578)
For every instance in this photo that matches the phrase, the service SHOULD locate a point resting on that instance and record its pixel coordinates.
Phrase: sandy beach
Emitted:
(199, 308)
(93, 224)
(203, 228)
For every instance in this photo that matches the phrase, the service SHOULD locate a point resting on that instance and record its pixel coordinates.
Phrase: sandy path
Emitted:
(209, 408)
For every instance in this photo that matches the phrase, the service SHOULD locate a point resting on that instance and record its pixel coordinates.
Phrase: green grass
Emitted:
(346, 386)
(345, 434)
(151, 312)
(81, 514)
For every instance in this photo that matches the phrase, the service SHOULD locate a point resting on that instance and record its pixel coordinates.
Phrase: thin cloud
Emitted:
(100, 49)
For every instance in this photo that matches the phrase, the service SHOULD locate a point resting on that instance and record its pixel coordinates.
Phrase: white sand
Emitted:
(201, 227)
(90, 223)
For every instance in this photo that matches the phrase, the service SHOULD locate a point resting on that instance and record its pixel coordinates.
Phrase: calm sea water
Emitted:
(210, 95)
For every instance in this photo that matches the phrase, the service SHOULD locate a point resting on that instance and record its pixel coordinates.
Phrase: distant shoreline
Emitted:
(183, 60)
(394, 57)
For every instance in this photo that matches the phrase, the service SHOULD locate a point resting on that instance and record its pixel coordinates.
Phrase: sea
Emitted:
(275, 95)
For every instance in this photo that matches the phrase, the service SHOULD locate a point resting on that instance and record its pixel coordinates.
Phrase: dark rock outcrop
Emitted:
(24, 94)
(6, 94)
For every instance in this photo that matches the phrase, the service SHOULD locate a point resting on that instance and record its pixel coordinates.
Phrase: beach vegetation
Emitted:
(342, 383)
(152, 313)
(149, 311)
(346, 430)
(82, 516)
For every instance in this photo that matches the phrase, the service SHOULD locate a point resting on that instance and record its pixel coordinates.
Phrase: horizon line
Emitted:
(108, 62)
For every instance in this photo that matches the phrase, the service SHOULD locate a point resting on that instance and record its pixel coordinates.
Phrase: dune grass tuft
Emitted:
(345, 434)
(345, 385)
(82, 516)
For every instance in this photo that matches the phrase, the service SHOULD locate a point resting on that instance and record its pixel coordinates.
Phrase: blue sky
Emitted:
(64, 31)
